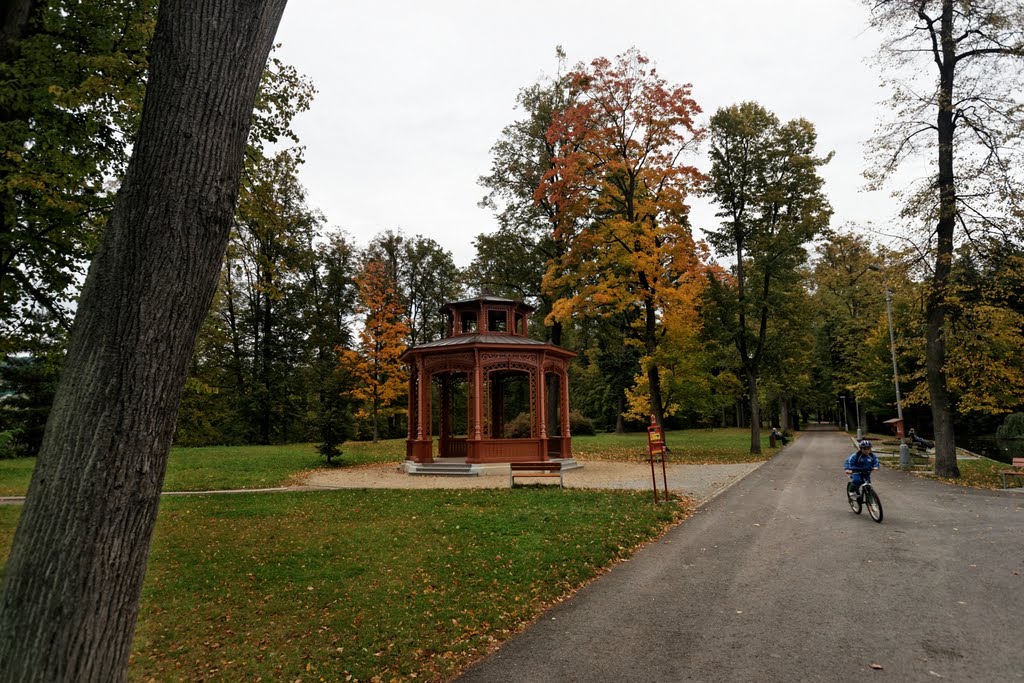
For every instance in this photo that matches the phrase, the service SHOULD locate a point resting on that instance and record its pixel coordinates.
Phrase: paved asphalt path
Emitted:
(778, 580)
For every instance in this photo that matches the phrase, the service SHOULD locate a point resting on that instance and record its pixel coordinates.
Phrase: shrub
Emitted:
(9, 444)
(518, 427)
(580, 424)
(1012, 427)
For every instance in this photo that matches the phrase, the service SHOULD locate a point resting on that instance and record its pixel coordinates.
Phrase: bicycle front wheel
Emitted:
(874, 504)
(851, 497)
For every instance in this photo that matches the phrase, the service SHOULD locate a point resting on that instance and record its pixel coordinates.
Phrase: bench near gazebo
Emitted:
(470, 386)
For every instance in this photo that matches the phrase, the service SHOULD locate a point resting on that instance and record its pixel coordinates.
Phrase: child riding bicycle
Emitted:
(859, 466)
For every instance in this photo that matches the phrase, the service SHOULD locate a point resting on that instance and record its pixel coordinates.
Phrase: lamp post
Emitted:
(904, 450)
(856, 410)
(892, 348)
(846, 418)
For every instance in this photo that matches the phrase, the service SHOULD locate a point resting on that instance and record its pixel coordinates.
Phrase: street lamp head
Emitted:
(875, 267)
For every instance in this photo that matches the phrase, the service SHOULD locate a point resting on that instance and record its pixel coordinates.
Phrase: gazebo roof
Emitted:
(493, 340)
(488, 300)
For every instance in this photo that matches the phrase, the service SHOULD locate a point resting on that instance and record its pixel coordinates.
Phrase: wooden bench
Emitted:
(520, 470)
(1017, 471)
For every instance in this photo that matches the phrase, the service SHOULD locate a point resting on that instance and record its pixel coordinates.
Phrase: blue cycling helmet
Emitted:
(864, 444)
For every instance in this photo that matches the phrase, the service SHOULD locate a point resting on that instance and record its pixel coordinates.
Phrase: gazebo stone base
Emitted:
(443, 467)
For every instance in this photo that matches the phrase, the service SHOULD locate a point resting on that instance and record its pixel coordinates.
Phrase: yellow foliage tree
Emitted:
(380, 377)
(619, 172)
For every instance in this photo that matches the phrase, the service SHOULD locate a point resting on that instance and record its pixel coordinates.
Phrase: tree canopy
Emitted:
(620, 173)
(764, 177)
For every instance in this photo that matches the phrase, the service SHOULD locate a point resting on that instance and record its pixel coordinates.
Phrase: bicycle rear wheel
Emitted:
(851, 498)
(874, 504)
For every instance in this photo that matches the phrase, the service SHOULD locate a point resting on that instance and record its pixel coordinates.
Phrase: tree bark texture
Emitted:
(653, 373)
(935, 344)
(785, 422)
(755, 410)
(74, 577)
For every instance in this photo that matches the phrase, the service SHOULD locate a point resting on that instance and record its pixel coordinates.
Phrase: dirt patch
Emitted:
(699, 482)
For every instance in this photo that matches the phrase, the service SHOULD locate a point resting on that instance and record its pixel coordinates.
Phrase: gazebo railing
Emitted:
(511, 449)
(453, 447)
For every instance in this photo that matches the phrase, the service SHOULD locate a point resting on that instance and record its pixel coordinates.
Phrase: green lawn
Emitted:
(980, 474)
(396, 584)
(253, 467)
(14, 475)
(688, 446)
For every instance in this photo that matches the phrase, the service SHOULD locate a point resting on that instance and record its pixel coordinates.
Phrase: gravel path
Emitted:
(700, 482)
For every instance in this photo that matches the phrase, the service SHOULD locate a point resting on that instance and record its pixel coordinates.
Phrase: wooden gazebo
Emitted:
(489, 368)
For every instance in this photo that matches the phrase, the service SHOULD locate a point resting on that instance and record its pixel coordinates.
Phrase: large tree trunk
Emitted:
(935, 344)
(785, 421)
(620, 419)
(653, 374)
(265, 407)
(376, 430)
(755, 411)
(74, 577)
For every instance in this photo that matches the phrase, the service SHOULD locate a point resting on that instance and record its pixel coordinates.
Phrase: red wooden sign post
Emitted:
(656, 453)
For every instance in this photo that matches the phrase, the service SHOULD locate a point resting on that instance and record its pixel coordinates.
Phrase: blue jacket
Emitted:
(861, 462)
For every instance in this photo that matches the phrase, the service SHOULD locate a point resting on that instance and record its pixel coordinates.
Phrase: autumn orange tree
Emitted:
(619, 170)
(375, 364)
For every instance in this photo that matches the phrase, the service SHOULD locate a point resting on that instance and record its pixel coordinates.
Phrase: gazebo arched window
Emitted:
(491, 395)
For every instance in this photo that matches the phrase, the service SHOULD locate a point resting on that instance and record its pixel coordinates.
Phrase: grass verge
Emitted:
(687, 446)
(366, 584)
(980, 474)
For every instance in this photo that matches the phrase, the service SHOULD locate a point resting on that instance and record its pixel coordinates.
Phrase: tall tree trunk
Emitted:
(14, 16)
(653, 374)
(237, 361)
(265, 409)
(620, 419)
(935, 343)
(784, 418)
(755, 411)
(376, 431)
(74, 576)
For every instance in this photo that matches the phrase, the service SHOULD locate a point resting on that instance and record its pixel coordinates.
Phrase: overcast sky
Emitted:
(412, 95)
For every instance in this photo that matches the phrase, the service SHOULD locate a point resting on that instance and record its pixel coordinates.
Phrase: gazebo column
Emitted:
(542, 418)
(411, 421)
(410, 437)
(418, 445)
(563, 380)
(475, 431)
(424, 444)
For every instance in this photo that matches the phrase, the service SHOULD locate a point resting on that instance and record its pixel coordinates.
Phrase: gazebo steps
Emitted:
(445, 469)
(463, 469)
(568, 463)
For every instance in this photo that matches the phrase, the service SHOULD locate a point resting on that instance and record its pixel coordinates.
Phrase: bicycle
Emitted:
(867, 495)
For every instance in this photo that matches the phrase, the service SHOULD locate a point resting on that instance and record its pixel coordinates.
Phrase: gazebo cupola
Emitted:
(488, 391)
